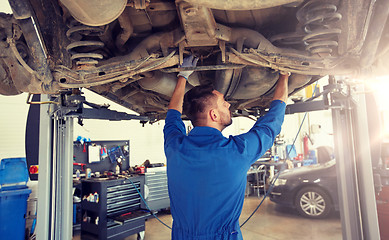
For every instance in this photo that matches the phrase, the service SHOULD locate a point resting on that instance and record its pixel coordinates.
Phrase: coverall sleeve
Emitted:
(261, 136)
(174, 126)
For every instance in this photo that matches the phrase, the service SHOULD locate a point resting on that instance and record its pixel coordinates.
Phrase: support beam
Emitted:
(43, 226)
(365, 169)
(346, 173)
(303, 107)
(55, 201)
(354, 168)
(63, 178)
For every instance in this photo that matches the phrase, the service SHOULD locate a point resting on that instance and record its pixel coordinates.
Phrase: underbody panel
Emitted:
(130, 51)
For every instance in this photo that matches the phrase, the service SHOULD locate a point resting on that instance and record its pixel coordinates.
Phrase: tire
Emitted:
(313, 202)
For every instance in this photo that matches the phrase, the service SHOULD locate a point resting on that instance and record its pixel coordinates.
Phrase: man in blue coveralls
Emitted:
(207, 172)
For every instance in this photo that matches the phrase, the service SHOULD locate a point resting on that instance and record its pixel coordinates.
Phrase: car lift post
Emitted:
(55, 198)
(355, 171)
(55, 201)
(44, 213)
(356, 193)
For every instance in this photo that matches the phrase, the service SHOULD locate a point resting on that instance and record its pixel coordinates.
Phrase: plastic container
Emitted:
(13, 205)
(13, 173)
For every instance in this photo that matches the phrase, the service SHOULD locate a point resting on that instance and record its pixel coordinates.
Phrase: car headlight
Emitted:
(280, 182)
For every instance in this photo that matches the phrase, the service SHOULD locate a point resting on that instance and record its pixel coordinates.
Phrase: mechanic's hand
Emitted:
(188, 62)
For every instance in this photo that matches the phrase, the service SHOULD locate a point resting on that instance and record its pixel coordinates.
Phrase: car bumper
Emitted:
(280, 198)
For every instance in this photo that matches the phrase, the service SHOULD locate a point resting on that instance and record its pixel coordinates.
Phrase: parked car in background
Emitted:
(311, 190)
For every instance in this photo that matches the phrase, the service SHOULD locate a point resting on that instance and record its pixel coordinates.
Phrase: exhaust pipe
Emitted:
(242, 4)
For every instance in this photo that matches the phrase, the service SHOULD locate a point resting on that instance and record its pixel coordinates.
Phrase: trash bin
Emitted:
(13, 173)
(13, 198)
(13, 207)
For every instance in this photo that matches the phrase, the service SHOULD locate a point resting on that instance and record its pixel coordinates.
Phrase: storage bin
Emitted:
(13, 207)
(13, 173)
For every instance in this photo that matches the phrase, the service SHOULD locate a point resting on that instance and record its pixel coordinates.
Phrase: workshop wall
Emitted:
(13, 117)
(145, 142)
(321, 128)
(317, 125)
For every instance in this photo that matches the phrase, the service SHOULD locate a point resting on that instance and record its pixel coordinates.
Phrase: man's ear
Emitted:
(214, 115)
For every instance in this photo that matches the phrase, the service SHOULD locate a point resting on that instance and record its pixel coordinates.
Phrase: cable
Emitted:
(282, 166)
(29, 101)
(147, 206)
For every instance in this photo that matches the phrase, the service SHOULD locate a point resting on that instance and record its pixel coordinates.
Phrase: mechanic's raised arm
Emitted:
(177, 98)
(178, 95)
(281, 92)
(261, 136)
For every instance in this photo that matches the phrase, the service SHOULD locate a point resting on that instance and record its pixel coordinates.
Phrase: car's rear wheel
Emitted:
(313, 202)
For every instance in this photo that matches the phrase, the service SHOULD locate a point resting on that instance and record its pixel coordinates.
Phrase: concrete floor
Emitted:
(270, 222)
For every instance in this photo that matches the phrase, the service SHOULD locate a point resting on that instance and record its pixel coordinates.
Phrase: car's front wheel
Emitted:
(313, 202)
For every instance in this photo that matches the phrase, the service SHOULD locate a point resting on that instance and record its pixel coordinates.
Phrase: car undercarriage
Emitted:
(130, 51)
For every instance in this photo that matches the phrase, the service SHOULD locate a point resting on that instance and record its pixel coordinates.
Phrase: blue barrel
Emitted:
(13, 208)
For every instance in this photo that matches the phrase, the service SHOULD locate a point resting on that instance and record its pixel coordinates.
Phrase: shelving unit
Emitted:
(119, 211)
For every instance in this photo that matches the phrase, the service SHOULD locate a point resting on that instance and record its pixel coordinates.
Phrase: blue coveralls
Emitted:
(207, 174)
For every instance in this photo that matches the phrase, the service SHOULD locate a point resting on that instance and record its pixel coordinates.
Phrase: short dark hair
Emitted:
(196, 100)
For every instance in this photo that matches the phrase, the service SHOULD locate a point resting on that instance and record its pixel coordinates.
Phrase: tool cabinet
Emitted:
(157, 196)
(117, 213)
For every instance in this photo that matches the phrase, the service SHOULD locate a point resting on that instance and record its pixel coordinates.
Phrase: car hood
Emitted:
(307, 170)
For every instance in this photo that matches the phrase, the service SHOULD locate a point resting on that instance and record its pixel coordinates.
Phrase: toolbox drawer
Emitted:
(125, 225)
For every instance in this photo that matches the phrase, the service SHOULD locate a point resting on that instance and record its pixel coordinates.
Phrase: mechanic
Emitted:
(207, 172)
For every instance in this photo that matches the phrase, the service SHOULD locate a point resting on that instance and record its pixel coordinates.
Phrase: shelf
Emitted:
(90, 206)
(89, 227)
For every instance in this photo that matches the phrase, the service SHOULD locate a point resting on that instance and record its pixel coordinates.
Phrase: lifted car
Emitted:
(130, 50)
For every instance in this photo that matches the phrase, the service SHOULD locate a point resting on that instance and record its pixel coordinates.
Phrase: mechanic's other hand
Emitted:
(188, 62)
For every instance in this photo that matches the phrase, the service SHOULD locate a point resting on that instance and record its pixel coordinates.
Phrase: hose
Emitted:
(147, 206)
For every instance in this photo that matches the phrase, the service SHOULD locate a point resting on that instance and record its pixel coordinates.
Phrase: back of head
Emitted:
(196, 101)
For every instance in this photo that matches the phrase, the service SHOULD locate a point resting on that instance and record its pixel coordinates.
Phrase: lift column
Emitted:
(356, 191)
(55, 198)
(357, 201)
(62, 179)
(43, 227)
